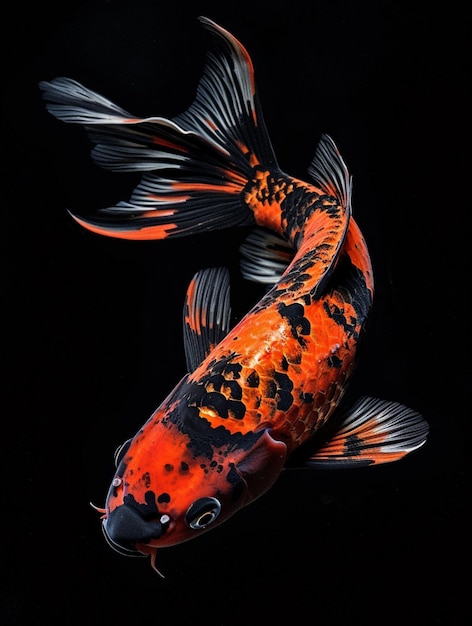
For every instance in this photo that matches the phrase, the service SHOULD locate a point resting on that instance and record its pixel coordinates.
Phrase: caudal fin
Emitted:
(194, 166)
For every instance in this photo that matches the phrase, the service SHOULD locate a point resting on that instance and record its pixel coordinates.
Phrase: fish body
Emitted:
(254, 393)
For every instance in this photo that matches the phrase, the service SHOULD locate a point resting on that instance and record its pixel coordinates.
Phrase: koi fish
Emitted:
(255, 393)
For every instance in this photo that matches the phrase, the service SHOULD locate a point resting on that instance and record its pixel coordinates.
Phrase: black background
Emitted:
(93, 325)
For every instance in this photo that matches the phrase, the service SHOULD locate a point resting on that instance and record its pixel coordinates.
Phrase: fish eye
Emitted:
(121, 451)
(202, 512)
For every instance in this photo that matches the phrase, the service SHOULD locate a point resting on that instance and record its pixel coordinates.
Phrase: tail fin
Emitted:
(195, 165)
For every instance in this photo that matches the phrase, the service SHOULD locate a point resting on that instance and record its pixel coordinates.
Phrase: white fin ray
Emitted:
(206, 315)
(329, 171)
(264, 256)
(372, 431)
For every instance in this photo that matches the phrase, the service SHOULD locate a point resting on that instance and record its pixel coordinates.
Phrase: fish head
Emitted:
(174, 483)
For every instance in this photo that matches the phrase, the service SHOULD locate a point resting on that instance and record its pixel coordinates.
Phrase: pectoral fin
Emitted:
(371, 432)
(206, 315)
(262, 464)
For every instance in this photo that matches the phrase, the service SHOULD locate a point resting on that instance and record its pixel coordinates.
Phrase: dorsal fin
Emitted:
(329, 172)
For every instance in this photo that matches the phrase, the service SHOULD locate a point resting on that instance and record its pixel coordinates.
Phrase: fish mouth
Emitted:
(125, 529)
(124, 550)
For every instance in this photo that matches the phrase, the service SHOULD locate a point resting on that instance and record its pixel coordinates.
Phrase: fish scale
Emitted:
(315, 351)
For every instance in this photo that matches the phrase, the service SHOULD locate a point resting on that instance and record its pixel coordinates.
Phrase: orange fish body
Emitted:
(254, 393)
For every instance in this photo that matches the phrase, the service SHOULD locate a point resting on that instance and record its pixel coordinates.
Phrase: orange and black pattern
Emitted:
(255, 393)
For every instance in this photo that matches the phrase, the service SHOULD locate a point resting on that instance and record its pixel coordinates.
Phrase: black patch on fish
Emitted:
(351, 287)
(329, 205)
(306, 398)
(253, 379)
(216, 381)
(295, 316)
(216, 401)
(233, 369)
(204, 439)
(283, 381)
(334, 361)
(236, 393)
(223, 406)
(147, 510)
(300, 196)
(236, 409)
(283, 394)
(225, 367)
(163, 497)
(337, 315)
(284, 400)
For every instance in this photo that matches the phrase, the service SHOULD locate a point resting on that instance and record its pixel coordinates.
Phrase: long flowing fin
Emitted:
(264, 256)
(207, 313)
(195, 165)
(371, 432)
